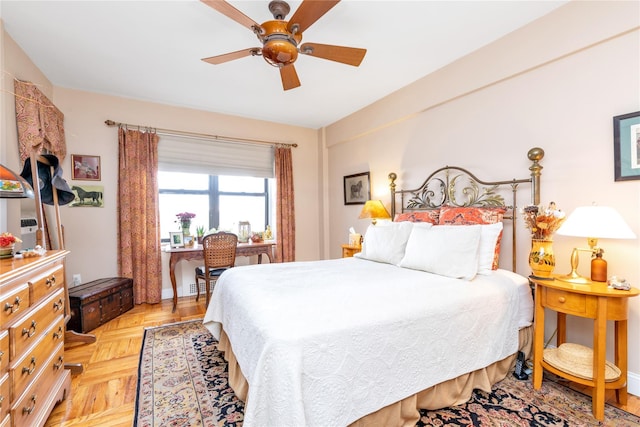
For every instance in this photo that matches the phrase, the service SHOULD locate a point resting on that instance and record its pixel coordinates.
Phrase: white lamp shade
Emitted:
(596, 222)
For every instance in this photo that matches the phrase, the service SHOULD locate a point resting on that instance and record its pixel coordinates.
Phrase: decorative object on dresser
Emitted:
(33, 377)
(593, 222)
(592, 300)
(95, 303)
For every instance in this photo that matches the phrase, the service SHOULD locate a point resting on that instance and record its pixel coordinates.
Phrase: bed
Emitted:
(372, 339)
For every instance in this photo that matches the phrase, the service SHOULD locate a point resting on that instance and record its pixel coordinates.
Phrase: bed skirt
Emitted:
(406, 413)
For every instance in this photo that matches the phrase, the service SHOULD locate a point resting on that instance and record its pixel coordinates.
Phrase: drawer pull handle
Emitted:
(30, 370)
(58, 335)
(58, 305)
(562, 299)
(59, 364)
(51, 280)
(1, 354)
(1, 398)
(31, 331)
(29, 410)
(16, 304)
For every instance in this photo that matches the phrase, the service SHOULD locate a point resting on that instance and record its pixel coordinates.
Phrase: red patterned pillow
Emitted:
(453, 215)
(430, 216)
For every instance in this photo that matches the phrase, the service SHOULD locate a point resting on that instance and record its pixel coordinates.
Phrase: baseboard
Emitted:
(633, 383)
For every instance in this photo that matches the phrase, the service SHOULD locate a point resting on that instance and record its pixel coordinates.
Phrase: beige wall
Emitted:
(556, 84)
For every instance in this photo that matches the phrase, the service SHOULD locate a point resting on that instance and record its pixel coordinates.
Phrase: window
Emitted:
(218, 202)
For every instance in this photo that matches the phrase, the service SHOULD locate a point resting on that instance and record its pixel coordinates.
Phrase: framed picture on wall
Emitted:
(626, 146)
(176, 239)
(357, 189)
(85, 167)
(91, 196)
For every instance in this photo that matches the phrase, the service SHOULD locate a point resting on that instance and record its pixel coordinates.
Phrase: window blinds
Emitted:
(180, 153)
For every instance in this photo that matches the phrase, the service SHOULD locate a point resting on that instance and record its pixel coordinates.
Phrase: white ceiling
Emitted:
(151, 51)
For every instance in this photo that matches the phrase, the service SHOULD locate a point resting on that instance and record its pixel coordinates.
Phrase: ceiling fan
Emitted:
(281, 39)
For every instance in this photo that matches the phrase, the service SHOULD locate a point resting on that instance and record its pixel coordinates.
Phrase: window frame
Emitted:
(214, 194)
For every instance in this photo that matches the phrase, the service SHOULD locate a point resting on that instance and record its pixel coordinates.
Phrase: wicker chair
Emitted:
(219, 252)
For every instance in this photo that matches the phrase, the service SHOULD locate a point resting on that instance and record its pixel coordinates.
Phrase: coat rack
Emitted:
(70, 336)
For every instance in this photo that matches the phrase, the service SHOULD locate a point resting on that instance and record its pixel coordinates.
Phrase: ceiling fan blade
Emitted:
(219, 59)
(233, 13)
(289, 77)
(346, 55)
(309, 12)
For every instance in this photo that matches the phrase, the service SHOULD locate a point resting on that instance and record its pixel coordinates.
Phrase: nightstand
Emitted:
(594, 300)
(350, 250)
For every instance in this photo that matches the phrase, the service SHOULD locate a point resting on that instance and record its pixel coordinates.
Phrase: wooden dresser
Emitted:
(33, 377)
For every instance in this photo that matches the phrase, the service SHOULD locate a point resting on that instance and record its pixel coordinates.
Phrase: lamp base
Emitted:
(574, 277)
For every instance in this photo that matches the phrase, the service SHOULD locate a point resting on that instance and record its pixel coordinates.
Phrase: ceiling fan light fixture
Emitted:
(278, 52)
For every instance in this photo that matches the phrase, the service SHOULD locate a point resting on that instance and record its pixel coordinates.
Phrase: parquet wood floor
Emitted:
(104, 394)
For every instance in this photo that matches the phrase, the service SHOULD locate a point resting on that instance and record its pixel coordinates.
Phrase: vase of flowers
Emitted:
(184, 218)
(542, 223)
(7, 243)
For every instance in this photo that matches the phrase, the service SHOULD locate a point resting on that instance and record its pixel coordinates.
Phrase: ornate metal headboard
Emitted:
(455, 186)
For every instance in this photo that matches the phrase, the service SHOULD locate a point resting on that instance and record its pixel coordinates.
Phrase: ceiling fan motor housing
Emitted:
(280, 47)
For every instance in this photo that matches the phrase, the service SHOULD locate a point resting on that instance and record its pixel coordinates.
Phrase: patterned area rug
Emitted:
(182, 381)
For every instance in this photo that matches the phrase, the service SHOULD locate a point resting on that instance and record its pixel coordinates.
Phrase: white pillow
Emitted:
(450, 251)
(386, 243)
(488, 240)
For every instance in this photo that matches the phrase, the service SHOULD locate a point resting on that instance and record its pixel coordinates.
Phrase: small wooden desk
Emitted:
(596, 301)
(195, 253)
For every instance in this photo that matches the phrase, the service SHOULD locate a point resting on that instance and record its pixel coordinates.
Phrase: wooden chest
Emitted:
(95, 303)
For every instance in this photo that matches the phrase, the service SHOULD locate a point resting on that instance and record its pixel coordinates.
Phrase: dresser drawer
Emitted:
(565, 302)
(4, 395)
(28, 329)
(45, 283)
(4, 352)
(14, 304)
(27, 367)
(32, 406)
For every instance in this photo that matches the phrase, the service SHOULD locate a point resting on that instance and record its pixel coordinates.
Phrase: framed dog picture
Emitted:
(357, 189)
(85, 167)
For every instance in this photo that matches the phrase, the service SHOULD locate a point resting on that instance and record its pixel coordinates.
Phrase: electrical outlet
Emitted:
(77, 279)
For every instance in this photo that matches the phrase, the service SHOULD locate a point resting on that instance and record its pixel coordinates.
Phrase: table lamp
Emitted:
(375, 210)
(593, 222)
(12, 185)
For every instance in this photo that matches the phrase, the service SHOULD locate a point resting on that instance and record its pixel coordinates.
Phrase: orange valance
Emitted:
(40, 123)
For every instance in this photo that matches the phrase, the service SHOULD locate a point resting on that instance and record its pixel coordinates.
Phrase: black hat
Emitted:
(47, 182)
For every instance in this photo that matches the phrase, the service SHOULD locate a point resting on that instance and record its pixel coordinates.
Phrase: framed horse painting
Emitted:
(85, 167)
(357, 189)
(88, 196)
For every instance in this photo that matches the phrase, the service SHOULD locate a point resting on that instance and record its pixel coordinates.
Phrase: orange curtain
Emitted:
(138, 214)
(285, 210)
(40, 123)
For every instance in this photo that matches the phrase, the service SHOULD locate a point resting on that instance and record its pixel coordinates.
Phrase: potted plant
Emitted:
(200, 233)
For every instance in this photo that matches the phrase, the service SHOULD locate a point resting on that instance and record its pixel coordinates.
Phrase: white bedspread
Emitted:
(326, 343)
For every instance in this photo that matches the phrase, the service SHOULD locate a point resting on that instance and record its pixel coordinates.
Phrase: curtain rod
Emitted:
(202, 135)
